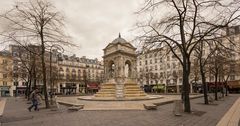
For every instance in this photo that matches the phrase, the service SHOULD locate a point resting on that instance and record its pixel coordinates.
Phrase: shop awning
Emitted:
(92, 86)
(4, 88)
(234, 84)
(159, 86)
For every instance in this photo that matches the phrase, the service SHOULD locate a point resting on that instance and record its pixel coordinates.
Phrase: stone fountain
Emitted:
(120, 72)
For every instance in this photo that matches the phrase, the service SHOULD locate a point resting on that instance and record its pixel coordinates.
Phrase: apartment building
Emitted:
(6, 82)
(65, 74)
(161, 68)
(76, 74)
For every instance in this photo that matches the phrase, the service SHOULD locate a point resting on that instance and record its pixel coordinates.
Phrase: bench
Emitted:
(150, 106)
(73, 106)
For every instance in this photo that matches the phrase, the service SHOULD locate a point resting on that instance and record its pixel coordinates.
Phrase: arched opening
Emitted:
(111, 69)
(127, 70)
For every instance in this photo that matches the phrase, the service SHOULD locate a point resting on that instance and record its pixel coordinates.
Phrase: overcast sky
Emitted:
(93, 24)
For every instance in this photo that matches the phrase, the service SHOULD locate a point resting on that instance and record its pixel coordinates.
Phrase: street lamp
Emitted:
(85, 78)
(57, 47)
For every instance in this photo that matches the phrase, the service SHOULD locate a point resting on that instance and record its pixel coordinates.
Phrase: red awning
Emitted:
(234, 84)
(93, 86)
(212, 84)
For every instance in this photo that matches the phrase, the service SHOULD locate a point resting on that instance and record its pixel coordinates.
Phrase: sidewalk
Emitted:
(2, 105)
(16, 114)
(232, 116)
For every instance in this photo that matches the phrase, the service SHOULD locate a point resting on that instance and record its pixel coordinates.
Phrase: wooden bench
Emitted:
(150, 106)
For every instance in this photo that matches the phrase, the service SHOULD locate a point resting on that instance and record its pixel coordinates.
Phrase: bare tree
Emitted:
(36, 22)
(183, 25)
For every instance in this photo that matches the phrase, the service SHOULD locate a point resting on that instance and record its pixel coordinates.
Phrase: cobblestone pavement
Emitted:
(16, 114)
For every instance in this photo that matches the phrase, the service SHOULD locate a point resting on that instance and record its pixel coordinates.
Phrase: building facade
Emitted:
(6, 82)
(160, 69)
(77, 75)
(65, 74)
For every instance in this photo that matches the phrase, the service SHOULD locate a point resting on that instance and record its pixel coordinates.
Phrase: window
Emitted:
(150, 61)
(24, 83)
(156, 67)
(161, 67)
(155, 60)
(15, 75)
(15, 83)
(231, 46)
(140, 63)
(180, 80)
(79, 74)
(4, 75)
(15, 68)
(4, 62)
(146, 62)
(4, 83)
(174, 65)
(168, 66)
(168, 58)
(151, 68)
(232, 77)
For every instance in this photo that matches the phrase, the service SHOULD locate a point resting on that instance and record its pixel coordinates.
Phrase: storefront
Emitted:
(69, 89)
(234, 86)
(20, 91)
(5, 91)
(92, 87)
(159, 88)
(172, 89)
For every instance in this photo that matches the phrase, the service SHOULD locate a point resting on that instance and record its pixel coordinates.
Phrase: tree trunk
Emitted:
(226, 86)
(186, 86)
(205, 90)
(29, 87)
(44, 71)
(215, 85)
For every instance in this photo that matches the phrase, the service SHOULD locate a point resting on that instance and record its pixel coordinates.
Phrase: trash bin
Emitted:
(178, 107)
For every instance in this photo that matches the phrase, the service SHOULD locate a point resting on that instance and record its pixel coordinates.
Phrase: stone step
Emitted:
(150, 106)
(104, 95)
(132, 86)
(107, 90)
(135, 89)
(134, 95)
(134, 92)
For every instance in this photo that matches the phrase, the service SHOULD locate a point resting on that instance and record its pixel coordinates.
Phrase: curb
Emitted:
(232, 116)
(2, 106)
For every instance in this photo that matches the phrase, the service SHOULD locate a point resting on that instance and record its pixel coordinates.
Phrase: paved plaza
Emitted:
(16, 114)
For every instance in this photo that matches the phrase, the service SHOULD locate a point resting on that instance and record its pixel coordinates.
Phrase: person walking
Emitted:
(34, 98)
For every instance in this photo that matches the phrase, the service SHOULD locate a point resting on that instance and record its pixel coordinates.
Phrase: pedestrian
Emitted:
(34, 99)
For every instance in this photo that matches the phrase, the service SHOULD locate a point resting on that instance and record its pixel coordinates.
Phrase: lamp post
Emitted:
(85, 78)
(57, 47)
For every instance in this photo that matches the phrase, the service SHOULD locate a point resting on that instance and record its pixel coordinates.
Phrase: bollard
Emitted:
(178, 107)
